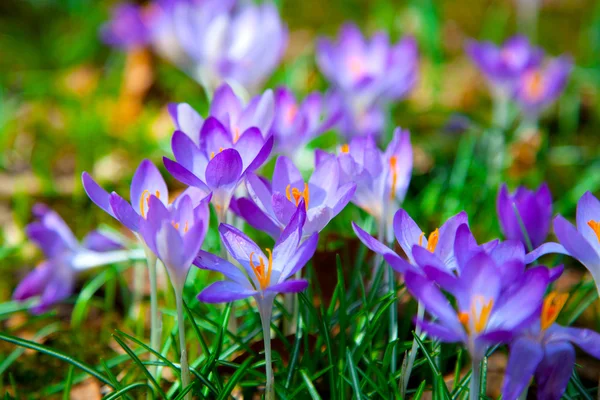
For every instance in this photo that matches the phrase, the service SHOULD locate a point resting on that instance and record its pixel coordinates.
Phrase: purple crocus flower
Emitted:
(439, 244)
(381, 178)
(239, 44)
(175, 234)
(541, 86)
(504, 65)
(535, 212)
(296, 124)
(546, 350)
(273, 205)
(128, 29)
(368, 74)
(53, 280)
(492, 305)
(216, 154)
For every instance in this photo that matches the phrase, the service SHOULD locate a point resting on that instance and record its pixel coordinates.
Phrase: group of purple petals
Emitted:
(499, 295)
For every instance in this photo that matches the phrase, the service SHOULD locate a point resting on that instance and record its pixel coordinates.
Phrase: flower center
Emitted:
(236, 134)
(297, 194)
(477, 318)
(212, 153)
(176, 226)
(290, 114)
(393, 169)
(145, 201)
(432, 240)
(356, 66)
(553, 304)
(263, 277)
(595, 225)
(345, 148)
(534, 85)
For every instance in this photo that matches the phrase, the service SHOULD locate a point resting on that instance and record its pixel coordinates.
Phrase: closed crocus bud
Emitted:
(534, 208)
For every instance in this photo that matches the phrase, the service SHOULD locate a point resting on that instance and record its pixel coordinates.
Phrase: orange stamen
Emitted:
(145, 199)
(297, 194)
(432, 240)
(236, 134)
(534, 85)
(212, 153)
(263, 277)
(553, 304)
(345, 148)
(393, 164)
(291, 113)
(595, 225)
(479, 314)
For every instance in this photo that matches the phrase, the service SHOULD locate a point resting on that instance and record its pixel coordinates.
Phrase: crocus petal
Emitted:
(284, 174)
(407, 233)
(289, 286)
(525, 355)
(288, 242)
(326, 178)
(317, 218)
(188, 155)
(424, 257)
(206, 260)
(48, 240)
(183, 175)
(260, 193)
(52, 221)
(147, 179)
(259, 113)
(170, 249)
(214, 136)
(397, 263)
(577, 245)
(225, 104)
(124, 212)
(56, 290)
(369, 241)
(343, 197)
(98, 241)
(224, 292)
(300, 257)
(509, 250)
(187, 120)
(256, 218)
(282, 208)
(554, 371)
(546, 248)
(224, 169)
(99, 196)
(445, 247)
(33, 284)
(439, 332)
(588, 209)
(586, 339)
(445, 280)
(249, 146)
(240, 246)
(262, 155)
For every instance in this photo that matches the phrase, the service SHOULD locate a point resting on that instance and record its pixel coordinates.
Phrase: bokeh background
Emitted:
(68, 103)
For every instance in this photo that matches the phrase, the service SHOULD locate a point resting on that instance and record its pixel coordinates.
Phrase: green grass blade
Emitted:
(225, 393)
(126, 389)
(353, 375)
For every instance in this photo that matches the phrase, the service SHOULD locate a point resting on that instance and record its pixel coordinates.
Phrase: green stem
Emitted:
(266, 310)
(413, 350)
(155, 325)
(185, 369)
(474, 386)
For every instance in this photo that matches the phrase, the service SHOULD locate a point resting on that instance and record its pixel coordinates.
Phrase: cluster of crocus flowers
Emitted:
(368, 75)
(215, 41)
(53, 279)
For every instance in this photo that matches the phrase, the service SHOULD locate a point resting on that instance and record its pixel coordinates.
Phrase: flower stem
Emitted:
(222, 217)
(413, 351)
(474, 387)
(185, 369)
(266, 310)
(155, 325)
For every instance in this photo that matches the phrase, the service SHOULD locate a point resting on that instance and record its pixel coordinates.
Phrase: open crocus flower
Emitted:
(53, 280)
(545, 350)
(274, 205)
(241, 44)
(296, 124)
(175, 234)
(489, 309)
(415, 244)
(535, 212)
(216, 154)
(381, 178)
(504, 65)
(369, 74)
(539, 87)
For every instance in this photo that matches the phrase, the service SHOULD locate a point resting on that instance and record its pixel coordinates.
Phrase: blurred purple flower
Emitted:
(264, 275)
(296, 124)
(273, 206)
(232, 43)
(535, 211)
(176, 234)
(53, 280)
(493, 303)
(504, 65)
(545, 350)
(216, 154)
(539, 87)
(381, 178)
(368, 74)
(128, 29)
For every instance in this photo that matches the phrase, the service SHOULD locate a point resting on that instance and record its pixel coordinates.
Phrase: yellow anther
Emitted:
(297, 194)
(212, 153)
(479, 315)
(263, 277)
(393, 170)
(534, 85)
(595, 225)
(553, 304)
(145, 200)
(291, 113)
(432, 240)
(345, 148)
(236, 134)
(176, 226)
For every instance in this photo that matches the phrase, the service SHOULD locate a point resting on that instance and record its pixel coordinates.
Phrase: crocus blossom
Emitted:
(240, 44)
(128, 27)
(216, 154)
(175, 234)
(381, 178)
(504, 65)
(54, 278)
(545, 350)
(534, 209)
(368, 74)
(295, 124)
(539, 87)
(490, 308)
(274, 204)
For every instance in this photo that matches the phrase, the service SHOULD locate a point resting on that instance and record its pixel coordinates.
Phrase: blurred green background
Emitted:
(68, 104)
